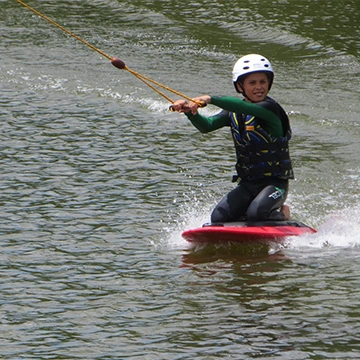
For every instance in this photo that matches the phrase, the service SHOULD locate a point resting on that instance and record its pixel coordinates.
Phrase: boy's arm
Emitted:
(206, 124)
(272, 122)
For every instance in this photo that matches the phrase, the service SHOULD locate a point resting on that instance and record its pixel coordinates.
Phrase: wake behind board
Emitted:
(247, 232)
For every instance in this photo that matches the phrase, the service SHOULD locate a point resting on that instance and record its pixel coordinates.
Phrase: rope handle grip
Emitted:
(201, 104)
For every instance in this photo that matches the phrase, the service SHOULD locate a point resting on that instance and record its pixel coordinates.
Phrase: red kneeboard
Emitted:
(247, 232)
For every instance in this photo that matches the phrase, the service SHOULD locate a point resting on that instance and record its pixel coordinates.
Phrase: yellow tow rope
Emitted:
(115, 61)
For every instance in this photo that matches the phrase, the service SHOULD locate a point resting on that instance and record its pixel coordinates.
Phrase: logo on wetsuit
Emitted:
(277, 194)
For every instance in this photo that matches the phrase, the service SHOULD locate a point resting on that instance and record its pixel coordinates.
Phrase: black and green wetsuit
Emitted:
(261, 132)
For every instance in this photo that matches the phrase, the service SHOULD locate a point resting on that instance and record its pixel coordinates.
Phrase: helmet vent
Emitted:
(246, 67)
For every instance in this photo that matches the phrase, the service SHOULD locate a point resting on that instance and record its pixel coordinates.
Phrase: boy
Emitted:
(261, 131)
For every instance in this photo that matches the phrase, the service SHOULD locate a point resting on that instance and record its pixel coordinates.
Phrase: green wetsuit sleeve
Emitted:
(272, 122)
(206, 124)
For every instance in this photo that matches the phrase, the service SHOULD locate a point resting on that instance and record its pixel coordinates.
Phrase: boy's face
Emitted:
(255, 86)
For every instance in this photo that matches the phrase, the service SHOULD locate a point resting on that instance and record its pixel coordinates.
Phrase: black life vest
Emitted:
(260, 155)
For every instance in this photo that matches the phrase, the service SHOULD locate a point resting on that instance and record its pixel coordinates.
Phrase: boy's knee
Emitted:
(219, 215)
(253, 213)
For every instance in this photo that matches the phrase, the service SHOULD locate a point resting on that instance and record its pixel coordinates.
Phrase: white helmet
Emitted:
(249, 64)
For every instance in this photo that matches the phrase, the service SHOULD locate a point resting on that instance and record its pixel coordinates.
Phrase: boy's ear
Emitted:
(239, 87)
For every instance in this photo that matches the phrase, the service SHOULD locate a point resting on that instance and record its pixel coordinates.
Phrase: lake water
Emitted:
(99, 179)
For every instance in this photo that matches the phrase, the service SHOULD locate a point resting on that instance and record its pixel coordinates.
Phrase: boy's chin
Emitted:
(257, 98)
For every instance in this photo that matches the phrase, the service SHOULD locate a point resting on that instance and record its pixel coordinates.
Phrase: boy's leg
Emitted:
(233, 206)
(285, 209)
(266, 204)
